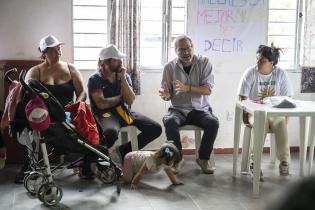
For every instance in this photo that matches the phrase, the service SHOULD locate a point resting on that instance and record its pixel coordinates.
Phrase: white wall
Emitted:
(23, 23)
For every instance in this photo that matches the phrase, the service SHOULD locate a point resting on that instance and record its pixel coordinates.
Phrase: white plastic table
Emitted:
(261, 112)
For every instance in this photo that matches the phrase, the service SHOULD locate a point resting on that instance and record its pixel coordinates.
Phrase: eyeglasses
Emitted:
(186, 49)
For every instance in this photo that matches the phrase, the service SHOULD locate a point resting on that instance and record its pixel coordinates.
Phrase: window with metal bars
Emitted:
(90, 31)
(163, 20)
(284, 30)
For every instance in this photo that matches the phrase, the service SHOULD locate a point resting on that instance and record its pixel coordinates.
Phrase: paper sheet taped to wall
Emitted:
(228, 32)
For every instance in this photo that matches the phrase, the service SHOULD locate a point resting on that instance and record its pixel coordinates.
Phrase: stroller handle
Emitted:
(8, 74)
(24, 84)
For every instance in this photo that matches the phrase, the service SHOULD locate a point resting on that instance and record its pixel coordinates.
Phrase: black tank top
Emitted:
(63, 92)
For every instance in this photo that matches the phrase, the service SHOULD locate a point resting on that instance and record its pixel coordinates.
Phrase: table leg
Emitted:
(303, 135)
(259, 135)
(237, 129)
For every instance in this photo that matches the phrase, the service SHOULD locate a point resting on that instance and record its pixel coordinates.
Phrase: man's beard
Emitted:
(115, 69)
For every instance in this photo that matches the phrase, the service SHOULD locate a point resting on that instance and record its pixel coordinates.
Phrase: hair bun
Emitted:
(168, 152)
(168, 149)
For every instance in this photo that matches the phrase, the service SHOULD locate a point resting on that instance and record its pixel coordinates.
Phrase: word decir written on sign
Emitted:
(223, 45)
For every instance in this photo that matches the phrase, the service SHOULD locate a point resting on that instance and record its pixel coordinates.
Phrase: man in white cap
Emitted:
(110, 93)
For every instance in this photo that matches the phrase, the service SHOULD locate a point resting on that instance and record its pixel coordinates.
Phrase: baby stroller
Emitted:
(40, 180)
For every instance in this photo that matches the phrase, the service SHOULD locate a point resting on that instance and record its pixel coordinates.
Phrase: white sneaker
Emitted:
(205, 166)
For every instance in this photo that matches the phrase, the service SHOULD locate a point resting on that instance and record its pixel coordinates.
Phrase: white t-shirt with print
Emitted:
(257, 86)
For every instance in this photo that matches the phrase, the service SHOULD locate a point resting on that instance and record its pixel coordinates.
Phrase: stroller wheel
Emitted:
(50, 194)
(106, 174)
(40, 192)
(33, 181)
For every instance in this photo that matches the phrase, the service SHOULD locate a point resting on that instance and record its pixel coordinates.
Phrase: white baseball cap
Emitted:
(48, 41)
(111, 52)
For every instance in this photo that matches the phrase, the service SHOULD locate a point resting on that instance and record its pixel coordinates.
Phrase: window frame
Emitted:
(87, 33)
(297, 34)
(166, 36)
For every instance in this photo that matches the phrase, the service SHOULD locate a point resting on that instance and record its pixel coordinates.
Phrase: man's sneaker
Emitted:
(176, 169)
(205, 166)
(284, 168)
(86, 172)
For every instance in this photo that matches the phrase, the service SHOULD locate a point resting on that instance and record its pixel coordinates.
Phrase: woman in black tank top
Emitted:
(63, 92)
(60, 78)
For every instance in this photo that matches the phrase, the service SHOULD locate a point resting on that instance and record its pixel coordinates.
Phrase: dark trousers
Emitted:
(149, 130)
(174, 119)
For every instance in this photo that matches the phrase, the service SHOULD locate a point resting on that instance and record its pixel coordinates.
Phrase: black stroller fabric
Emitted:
(52, 103)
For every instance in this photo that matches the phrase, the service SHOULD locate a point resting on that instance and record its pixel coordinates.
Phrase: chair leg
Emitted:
(129, 133)
(211, 161)
(133, 138)
(123, 136)
(273, 148)
(246, 149)
(197, 142)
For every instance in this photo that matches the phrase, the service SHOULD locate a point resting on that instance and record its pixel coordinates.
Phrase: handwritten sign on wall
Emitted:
(229, 29)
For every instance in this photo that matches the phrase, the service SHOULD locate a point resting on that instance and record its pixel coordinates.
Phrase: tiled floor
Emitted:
(219, 191)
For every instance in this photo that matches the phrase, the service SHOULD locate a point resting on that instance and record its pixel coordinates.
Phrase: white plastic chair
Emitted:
(129, 133)
(246, 149)
(198, 131)
(311, 142)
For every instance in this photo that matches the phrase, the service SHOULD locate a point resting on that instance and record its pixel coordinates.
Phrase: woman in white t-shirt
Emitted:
(263, 80)
(139, 163)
